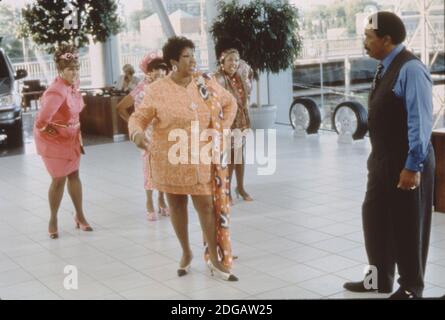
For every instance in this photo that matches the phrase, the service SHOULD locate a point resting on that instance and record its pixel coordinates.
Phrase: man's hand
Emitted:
(140, 141)
(409, 180)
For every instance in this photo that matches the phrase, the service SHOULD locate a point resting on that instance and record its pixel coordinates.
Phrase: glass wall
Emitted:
(144, 33)
(332, 66)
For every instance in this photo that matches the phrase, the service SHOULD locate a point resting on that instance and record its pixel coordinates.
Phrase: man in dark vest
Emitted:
(398, 204)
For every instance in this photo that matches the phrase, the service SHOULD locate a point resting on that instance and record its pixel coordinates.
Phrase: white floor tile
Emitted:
(14, 277)
(291, 292)
(326, 286)
(332, 263)
(296, 273)
(128, 281)
(150, 292)
(303, 254)
(335, 245)
(219, 292)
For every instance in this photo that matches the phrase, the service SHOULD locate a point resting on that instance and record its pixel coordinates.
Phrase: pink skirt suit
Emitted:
(61, 105)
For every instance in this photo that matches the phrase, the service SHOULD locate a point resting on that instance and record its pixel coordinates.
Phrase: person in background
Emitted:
(235, 75)
(57, 137)
(154, 68)
(128, 81)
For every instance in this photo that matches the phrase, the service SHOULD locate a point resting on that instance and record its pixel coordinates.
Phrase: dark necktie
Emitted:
(377, 76)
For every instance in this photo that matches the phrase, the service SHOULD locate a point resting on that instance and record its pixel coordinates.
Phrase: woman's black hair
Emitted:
(173, 48)
(224, 44)
(156, 64)
(386, 23)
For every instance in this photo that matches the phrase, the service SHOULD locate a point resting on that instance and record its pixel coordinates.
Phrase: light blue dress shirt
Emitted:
(415, 86)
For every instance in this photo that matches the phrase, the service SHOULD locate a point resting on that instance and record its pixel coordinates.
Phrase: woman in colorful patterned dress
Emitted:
(57, 137)
(236, 77)
(189, 103)
(154, 68)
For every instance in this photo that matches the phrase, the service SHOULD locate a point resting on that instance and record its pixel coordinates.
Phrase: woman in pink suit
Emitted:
(57, 137)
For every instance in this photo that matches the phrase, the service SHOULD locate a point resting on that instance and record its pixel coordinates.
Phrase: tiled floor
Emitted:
(300, 239)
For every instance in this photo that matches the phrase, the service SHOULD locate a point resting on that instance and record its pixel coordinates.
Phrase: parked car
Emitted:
(10, 101)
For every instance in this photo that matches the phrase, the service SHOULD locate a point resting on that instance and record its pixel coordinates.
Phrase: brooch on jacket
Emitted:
(201, 84)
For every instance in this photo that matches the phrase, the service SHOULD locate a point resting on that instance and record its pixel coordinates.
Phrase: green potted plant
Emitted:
(268, 31)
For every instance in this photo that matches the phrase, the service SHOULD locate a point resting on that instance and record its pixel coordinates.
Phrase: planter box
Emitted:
(263, 117)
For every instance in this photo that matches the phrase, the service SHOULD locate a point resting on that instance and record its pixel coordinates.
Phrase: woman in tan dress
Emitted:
(178, 103)
(236, 76)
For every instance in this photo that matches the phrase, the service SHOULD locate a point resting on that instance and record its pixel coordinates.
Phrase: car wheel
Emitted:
(304, 113)
(352, 117)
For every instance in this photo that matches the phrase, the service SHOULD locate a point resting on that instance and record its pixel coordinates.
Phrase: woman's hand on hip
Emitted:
(50, 130)
(140, 141)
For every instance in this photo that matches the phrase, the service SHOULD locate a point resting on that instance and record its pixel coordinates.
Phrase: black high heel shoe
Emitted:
(182, 271)
(220, 274)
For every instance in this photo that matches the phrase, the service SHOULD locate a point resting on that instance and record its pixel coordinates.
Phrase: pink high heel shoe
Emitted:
(53, 235)
(81, 226)
(164, 212)
(152, 216)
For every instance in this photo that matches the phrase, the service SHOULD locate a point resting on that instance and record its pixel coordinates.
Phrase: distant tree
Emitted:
(46, 21)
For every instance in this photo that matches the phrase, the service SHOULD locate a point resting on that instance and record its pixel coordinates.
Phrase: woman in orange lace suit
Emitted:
(177, 105)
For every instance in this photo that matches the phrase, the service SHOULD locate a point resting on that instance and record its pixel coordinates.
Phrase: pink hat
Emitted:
(147, 59)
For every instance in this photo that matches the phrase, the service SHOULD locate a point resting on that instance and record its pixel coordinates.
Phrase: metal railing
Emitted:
(36, 70)
(325, 49)
(312, 50)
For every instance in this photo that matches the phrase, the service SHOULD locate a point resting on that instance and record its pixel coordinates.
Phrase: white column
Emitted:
(112, 60)
(96, 53)
(425, 55)
(347, 75)
(211, 13)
